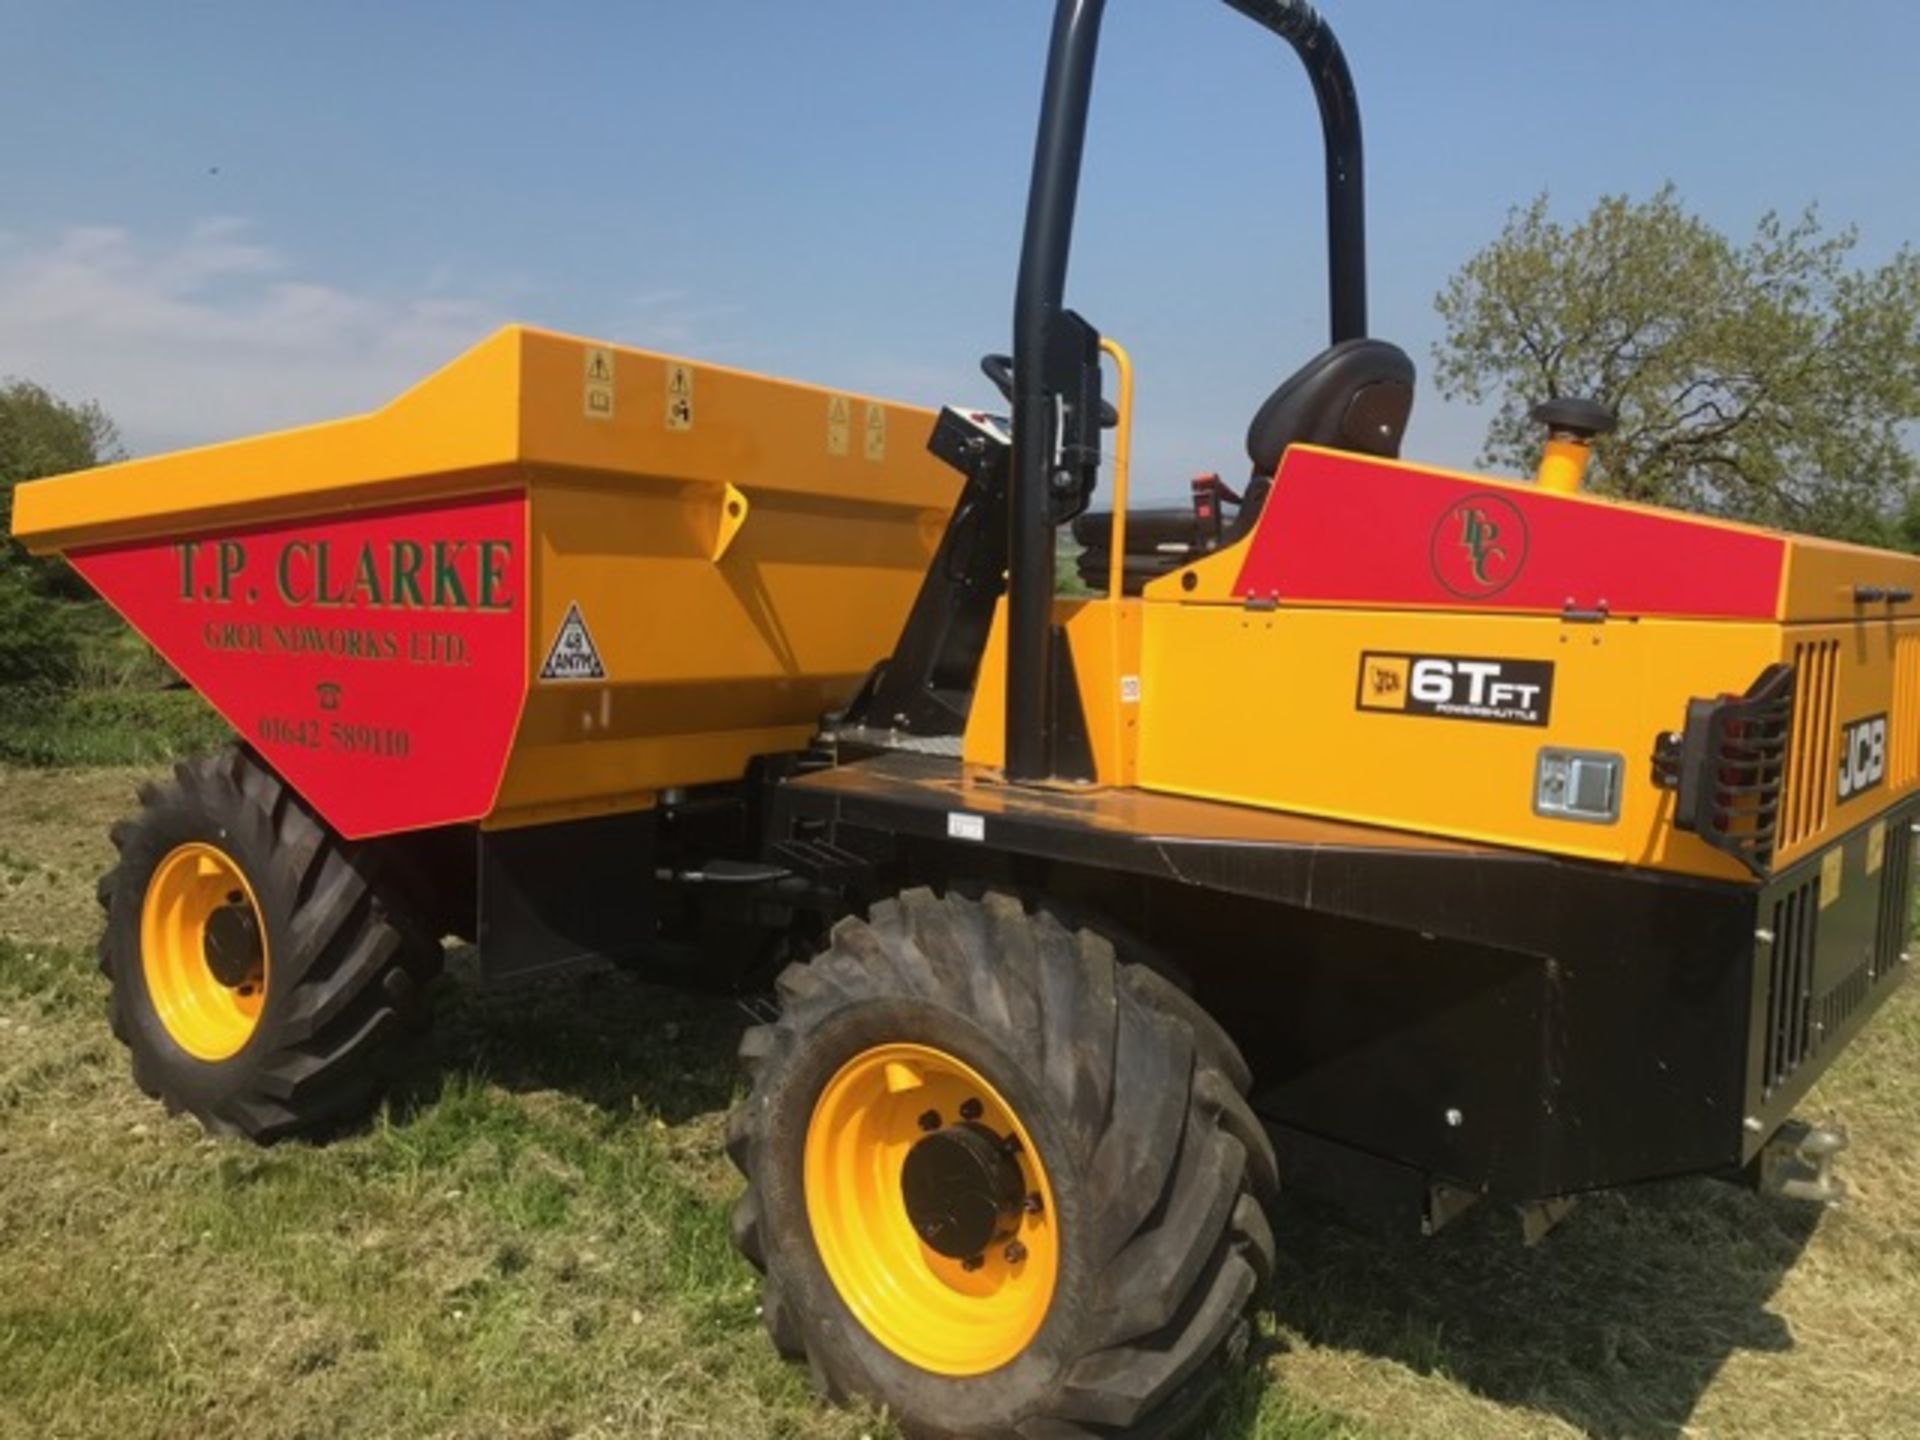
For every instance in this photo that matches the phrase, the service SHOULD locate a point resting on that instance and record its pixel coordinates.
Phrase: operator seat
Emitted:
(1353, 396)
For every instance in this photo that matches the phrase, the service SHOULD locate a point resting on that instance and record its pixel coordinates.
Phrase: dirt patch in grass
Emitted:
(532, 1241)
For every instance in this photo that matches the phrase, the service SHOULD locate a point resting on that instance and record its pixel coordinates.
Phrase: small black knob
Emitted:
(1569, 415)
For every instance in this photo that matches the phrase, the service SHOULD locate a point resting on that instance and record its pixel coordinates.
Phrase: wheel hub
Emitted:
(231, 943)
(961, 1185)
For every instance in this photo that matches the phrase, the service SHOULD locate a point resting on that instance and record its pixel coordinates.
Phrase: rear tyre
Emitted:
(260, 979)
(995, 1180)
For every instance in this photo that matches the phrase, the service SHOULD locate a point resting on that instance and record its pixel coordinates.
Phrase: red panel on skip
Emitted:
(1340, 529)
(378, 661)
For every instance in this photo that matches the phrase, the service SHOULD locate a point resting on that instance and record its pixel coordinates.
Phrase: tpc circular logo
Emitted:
(1479, 546)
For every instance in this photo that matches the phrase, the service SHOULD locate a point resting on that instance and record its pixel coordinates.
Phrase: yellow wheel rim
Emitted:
(951, 1315)
(203, 950)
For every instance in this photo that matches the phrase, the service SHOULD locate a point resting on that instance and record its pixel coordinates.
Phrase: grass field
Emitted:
(531, 1241)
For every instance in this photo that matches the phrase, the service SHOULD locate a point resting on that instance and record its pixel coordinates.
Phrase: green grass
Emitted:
(532, 1241)
(112, 726)
(117, 703)
(488, 1258)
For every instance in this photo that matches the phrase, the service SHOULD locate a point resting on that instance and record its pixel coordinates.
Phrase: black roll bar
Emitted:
(1040, 297)
(1302, 27)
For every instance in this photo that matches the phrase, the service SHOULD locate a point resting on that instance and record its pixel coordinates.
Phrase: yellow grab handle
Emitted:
(1122, 464)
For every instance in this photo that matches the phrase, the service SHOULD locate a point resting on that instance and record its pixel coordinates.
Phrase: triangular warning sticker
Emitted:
(573, 656)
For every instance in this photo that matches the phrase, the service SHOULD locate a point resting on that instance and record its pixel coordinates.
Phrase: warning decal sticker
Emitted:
(599, 386)
(573, 656)
(839, 424)
(679, 396)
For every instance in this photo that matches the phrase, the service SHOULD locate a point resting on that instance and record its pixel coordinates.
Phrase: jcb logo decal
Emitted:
(1383, 682)
(1863, 755)
(1510, 692)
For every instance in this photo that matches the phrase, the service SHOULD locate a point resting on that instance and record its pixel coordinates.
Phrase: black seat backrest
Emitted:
(1353, 396)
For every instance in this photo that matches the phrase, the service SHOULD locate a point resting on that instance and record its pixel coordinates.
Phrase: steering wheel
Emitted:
(999, 369)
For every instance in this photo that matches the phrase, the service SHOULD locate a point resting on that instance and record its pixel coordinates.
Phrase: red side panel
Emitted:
(1343, 529)
(377, 661)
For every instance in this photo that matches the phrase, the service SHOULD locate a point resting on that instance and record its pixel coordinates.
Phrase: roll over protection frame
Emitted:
(1039, 303)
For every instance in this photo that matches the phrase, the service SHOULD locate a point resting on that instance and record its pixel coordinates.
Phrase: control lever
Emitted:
(1073, 373)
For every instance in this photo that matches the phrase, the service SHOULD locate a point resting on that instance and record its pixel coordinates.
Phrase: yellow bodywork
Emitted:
(1263, 708)
(743, 549)
(1190, 691)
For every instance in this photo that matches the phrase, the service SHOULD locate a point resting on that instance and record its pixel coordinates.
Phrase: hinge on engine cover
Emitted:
(1669, 750)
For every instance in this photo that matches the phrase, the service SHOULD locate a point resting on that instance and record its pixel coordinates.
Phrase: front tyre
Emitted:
(259, 979)
(996, 1182)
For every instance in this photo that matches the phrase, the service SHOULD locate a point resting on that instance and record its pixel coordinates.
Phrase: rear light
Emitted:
(1727, 765)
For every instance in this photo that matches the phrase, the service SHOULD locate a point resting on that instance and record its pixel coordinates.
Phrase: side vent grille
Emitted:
(1790, 1034)
(1896, 882)
(1811, 760)
(1800, 1020)
(1903, 757)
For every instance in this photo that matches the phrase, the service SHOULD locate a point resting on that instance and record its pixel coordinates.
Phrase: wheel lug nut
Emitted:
(1033, 1204)
(930, 1120)
(1015, 1252)
(1011, 1145)
(973, 1262)
(971, 1109)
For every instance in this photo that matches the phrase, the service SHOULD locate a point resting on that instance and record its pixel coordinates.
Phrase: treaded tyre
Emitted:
(259, 978)
(998, 1181)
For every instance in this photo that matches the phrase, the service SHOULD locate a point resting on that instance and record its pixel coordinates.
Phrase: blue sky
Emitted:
(221, 217)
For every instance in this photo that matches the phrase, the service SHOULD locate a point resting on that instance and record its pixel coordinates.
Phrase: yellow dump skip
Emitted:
(665, 568)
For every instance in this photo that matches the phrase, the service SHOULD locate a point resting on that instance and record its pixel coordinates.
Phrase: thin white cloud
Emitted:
(216, 333)
(672, 319)
(213, 334)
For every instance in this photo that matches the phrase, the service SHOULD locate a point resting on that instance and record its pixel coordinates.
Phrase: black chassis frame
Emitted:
(1426, 1021)
(1485, 1021)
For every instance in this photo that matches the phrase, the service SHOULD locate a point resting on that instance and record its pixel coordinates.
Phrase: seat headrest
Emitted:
(1355, 396)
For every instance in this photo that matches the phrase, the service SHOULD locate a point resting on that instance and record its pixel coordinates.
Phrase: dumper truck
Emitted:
(1417, 839)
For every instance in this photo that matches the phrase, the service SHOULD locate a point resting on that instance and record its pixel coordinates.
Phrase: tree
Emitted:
(1773, 381)
(38, 644)
(41, 434)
